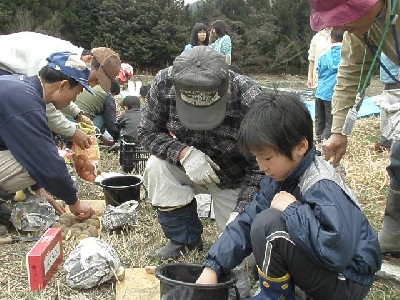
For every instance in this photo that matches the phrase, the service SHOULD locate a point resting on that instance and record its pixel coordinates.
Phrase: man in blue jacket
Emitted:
(304, 226)
(28, 155)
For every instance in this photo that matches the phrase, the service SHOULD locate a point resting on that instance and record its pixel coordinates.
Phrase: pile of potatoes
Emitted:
(73, 228)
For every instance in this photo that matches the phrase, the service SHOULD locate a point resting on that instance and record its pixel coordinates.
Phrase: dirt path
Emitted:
(298, 82)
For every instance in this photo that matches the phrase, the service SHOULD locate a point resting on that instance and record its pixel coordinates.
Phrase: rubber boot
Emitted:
(281, 288)
(183, 228)
(389, 236)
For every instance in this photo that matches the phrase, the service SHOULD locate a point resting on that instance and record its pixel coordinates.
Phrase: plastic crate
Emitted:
(132, 157)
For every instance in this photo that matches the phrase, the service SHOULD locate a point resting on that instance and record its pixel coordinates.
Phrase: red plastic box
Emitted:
(44, 258)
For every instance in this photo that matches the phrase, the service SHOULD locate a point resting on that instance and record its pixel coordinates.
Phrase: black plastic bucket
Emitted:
(119, 189)
(177, 281)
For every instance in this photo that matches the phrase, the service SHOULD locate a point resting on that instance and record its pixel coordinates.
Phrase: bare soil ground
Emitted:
(366, 174)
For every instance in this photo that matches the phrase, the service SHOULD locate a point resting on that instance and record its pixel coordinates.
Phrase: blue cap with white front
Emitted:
(71, 65)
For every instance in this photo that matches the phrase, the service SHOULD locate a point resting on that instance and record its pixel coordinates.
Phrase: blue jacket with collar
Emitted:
(327, 69)
(325, 222)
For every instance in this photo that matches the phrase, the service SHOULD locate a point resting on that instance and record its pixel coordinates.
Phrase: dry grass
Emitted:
(132, 245)
(366, 174)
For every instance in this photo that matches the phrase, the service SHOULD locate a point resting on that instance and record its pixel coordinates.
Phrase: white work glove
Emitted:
(232, 217)
(199, 167)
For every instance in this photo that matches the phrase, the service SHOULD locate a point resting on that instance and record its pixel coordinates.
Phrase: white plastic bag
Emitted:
(92, 263)
(390, 113)
(203, 205)
(117, 217)
(33, 215)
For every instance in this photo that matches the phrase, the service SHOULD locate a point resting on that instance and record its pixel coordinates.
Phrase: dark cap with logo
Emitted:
(201, 80)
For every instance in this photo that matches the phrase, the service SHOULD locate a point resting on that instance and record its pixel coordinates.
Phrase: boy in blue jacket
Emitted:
(327, 68)
(304, 226)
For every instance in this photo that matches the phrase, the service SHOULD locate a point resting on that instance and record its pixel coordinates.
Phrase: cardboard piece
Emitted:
(44, 258)
(139, 285)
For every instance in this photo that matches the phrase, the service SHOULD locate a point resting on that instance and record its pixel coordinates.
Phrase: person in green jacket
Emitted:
(101, 109)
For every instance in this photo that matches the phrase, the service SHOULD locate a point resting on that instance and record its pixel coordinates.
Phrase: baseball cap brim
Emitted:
(86, 86)
(201, 118)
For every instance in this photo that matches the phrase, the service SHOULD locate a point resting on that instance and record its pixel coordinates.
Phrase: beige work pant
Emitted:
(169, 186)
(13, 176)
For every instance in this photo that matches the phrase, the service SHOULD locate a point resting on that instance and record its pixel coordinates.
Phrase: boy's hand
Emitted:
(208, 276)
(282, 200)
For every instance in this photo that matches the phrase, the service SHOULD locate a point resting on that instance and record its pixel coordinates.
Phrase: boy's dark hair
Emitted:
(50, 75)
(131, 102)
(337, 35)
(144, 89)
(219, 27)
(95, 64)
(280, 121)
(115, 88)
(86, 52)
(194, 36)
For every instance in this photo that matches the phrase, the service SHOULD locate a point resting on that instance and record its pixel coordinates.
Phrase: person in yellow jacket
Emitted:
(368, 24)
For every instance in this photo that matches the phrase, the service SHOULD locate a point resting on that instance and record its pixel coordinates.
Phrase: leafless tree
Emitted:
(24, 21)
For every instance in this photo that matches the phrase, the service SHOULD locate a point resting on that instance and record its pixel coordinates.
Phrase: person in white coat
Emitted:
(320, 43)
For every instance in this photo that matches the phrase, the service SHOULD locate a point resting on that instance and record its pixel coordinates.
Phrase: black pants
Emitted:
(277, 255)
(182, 226)
(323, 119)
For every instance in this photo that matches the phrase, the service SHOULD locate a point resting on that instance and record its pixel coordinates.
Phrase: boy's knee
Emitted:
(267, 222)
